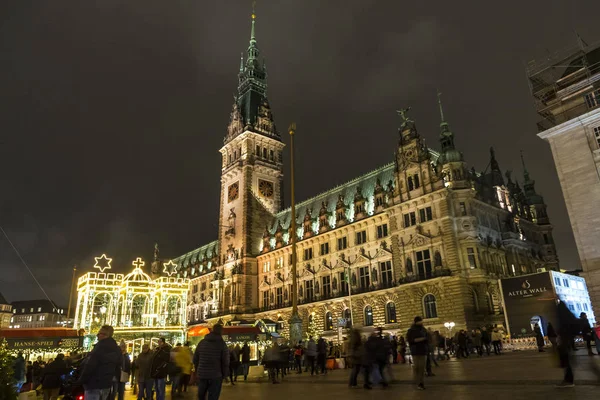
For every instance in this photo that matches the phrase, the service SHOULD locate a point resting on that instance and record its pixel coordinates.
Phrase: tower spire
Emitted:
(439, 95)
(525, 172)
(242, 63)
(252, 33)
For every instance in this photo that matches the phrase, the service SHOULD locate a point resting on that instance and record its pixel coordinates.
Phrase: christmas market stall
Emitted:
(44, 342)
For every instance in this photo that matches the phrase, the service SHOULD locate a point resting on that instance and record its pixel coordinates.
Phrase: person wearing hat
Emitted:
(417, 340)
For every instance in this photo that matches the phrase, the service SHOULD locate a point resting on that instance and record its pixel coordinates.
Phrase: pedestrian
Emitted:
(298, 354)
(19, 371)
(477, 342)
(486, 339)
(211, 361)
(123, 377)
(596, 332)
(539, 337)
(586, 332)
(402, 346)
(417, 340)
(394, 344)
(284, 359)
(161, 360)
(356, 355)
(271, 361)
(551, 333)
(234, 362)
(430, 353)
(321, 356)
(144, 373)
(51, 377)
(101, 366)
(245, 360)
(311, 354)
(38, 368)
(182, 358)
(462, 344)
(186, 361)
(497, 341)
(569, 326)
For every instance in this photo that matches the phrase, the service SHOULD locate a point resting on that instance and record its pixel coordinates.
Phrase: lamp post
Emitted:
(449, 326)
(295, 321)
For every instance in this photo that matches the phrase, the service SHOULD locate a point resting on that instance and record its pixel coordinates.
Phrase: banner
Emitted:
(528, 299)
(49, 343)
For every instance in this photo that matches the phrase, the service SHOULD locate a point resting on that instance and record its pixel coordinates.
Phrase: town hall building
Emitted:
(424, 234)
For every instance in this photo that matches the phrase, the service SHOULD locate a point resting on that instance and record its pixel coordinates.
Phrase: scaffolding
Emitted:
(565, 84)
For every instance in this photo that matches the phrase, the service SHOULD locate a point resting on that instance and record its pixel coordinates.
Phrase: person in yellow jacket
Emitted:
(182, 357)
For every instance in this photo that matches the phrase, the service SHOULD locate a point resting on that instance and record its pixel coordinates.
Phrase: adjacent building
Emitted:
(37, 314)
(566, 89)
(5, 312)
(424, 234)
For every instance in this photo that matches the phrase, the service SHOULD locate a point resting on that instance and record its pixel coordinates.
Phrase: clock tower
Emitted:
(251, 184)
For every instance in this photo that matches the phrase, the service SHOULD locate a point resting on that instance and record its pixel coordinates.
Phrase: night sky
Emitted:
(112, 112)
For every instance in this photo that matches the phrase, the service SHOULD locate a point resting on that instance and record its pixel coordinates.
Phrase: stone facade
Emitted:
(422, 235)
(566, 91)
(576, 152)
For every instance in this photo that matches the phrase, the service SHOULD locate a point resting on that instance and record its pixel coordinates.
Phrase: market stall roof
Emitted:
(38, 333)
(198, 330)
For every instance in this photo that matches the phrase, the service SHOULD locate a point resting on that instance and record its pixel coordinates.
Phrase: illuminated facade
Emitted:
(422, 235)
(136, 305)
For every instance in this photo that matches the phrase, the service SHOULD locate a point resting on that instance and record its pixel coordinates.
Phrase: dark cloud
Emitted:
(112, 113)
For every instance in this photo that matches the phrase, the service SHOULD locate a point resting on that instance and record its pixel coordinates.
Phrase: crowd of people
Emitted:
(108, 367)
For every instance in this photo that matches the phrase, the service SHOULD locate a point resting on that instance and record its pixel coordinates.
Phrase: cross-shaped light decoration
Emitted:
(138, 263)
(105, 262)
(170, 268)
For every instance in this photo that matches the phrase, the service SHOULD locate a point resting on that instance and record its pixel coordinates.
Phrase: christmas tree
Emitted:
(313, 330)
(7, 380)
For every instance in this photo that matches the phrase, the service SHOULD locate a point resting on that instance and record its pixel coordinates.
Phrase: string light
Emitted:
(106, 265)
(170, 268)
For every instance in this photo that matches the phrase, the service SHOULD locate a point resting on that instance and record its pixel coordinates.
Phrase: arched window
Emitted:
(390, 313)
(410, 183)
(328, 321)
(368, 316)
(348, 316)
(310, 318)
(409, 266)
(430, 306)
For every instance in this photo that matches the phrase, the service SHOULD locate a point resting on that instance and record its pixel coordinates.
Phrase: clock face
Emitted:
(233, 191)
(265, 188)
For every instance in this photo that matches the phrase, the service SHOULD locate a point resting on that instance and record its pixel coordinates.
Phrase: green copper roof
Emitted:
(207, 251)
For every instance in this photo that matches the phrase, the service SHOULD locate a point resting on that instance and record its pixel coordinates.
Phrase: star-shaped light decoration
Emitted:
(170, 268)
(102, 262)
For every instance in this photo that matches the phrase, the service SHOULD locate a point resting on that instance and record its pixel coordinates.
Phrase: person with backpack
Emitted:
(160, 368)
(298, 353)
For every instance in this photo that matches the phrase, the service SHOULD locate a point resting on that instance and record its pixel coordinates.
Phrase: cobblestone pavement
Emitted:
(522, 375)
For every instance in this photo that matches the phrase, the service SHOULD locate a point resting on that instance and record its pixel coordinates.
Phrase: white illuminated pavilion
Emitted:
(139, 308)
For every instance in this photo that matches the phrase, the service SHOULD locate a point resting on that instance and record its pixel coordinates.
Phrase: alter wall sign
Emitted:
(527, 296)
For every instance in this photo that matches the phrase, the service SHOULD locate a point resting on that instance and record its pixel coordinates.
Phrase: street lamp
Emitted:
(449, 326)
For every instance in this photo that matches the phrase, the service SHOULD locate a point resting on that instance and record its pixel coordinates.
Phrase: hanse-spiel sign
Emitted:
(58, 343)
